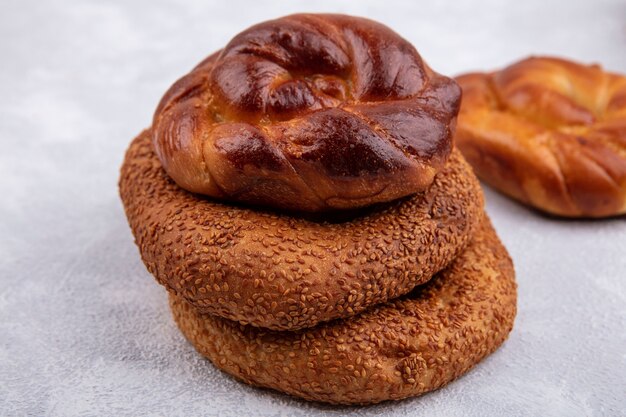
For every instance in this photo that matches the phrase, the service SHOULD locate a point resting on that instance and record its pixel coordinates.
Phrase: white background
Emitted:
(84, 330)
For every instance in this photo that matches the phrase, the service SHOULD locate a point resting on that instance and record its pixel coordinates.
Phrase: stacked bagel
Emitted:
(300, 198)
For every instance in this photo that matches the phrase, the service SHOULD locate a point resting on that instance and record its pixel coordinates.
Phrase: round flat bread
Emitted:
(288, 272)
(404, 348)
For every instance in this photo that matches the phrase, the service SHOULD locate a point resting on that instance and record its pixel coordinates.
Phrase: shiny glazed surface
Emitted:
(308, 112)
(550, 133)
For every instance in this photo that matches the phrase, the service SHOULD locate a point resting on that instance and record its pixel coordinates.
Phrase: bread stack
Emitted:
(300, 197)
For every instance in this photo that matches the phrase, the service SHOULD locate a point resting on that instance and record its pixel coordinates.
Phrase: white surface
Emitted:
(84, 330)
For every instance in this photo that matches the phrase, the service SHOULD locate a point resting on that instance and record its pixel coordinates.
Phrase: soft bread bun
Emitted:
(287, 272)
(309, 112)
(407, 347)
(550, 133)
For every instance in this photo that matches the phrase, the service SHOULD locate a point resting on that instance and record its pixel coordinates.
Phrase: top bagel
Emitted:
(287, 272)
(311, 113)
(550, 133)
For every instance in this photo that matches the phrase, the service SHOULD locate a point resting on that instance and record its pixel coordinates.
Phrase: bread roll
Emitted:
(308, 113)
(550, 133)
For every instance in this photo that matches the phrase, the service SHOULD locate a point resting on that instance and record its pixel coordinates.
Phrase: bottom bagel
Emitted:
(404, 348)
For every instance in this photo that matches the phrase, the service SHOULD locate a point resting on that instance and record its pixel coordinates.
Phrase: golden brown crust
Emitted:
(550, 133)
(285, 272)
(308, 112)
(407, 347)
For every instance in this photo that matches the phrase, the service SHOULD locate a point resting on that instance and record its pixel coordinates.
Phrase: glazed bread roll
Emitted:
(407, 347)
(550, 133)
(310, 113)
(288, 272)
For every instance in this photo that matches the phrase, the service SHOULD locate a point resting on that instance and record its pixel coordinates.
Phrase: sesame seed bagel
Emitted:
(288, 272)
(404, 348)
